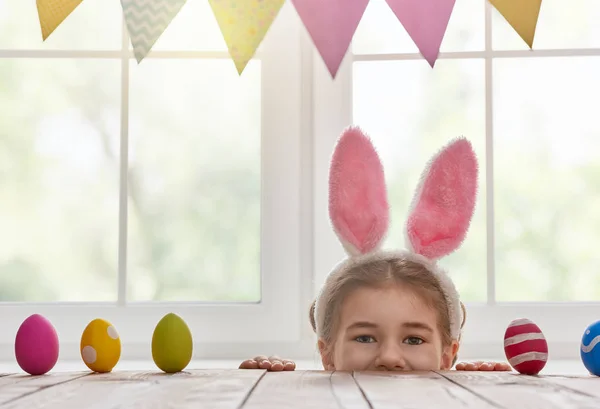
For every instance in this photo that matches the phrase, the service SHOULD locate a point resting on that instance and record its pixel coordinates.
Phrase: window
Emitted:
(132, 190)
(176, 185)
(531, 250)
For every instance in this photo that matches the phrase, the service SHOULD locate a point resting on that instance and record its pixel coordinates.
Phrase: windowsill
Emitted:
(553, 367)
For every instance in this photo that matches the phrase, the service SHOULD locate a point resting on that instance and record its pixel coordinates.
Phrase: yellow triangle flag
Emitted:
(53, 12)
(522, 15)
(244, 24)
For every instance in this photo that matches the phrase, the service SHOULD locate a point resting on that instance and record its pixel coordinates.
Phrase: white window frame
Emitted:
(279, 322)
(563, 323)
(303, 113)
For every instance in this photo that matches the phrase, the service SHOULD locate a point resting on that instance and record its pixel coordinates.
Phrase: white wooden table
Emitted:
(232, 388)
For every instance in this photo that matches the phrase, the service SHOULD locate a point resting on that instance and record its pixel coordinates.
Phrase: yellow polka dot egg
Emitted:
(100, 346)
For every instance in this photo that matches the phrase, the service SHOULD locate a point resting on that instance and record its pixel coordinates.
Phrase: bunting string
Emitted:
(331, 24)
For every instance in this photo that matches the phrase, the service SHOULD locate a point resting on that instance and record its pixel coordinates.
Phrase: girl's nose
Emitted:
(390, 358)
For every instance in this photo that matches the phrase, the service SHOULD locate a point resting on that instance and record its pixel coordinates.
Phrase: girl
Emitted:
(392, 310)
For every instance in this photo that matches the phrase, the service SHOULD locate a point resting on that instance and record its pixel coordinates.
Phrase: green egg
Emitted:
(172, 344)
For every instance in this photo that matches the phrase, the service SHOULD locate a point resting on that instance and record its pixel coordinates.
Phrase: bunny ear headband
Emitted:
(438, 220)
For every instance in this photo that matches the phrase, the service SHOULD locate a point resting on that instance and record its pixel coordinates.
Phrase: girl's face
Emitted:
(387, 329)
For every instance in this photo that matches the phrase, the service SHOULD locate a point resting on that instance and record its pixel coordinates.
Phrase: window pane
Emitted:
(194, 28)
(411, 111)
(194, 198)
(59, 180)
(380, 32)
(95, 24)
(547, 172)
(561, 24)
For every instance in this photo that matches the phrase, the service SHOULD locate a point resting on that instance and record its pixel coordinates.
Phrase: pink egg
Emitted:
(36, 345)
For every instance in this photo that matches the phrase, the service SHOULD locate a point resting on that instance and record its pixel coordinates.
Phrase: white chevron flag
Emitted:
(146, 21)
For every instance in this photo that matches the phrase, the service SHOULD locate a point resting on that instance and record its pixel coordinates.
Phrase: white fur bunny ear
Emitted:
(358, 205)
(444, 203)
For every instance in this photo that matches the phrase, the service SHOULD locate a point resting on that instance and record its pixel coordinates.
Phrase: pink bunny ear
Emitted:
(444, 202)
(358, 205)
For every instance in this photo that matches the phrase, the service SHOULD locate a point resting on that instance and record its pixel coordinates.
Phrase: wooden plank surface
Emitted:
(588, 385)
(416, 389)
(307, 389)
(225, 389)
(511, 390)
(41, 380)
(17, 385)
(233, 388)
(217, 389)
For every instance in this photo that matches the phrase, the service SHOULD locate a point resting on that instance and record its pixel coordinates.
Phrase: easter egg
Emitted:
(100, 346)
(590, 350)
(172, 344)
(36, 345)
(525, 346)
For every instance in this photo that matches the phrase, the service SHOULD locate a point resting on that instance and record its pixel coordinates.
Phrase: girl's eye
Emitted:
(413, 341)
(364, 339)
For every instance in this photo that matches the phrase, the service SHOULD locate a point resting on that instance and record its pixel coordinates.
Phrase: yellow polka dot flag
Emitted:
(244, 24)
(53, 12)
(522, 15)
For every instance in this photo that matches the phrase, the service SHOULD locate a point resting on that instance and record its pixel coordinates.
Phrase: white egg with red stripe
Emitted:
(525, 346)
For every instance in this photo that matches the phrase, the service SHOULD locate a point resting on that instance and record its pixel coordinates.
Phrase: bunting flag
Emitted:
(426, 22)
(147, 20)
(244, 24)
(522, 15)
(53, 12)
(331, 24)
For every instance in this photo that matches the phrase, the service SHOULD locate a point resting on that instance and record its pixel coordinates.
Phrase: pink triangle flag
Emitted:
(426, 22)
(331, 24)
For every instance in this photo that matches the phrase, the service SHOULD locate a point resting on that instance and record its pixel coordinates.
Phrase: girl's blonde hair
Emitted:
(377, 273)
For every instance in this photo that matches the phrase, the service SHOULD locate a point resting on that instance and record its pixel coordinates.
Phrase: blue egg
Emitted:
(590, 348)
